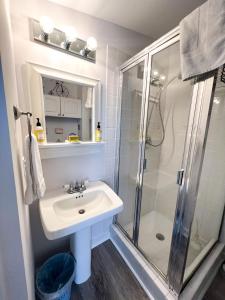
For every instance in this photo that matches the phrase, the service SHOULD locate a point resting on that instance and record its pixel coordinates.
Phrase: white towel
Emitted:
(88, 103)
(34, 175)
(202, 39)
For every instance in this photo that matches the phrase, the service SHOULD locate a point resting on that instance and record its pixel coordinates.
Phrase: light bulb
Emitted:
(162, 77)
(92, 44)
(47, 25)
(71, 34)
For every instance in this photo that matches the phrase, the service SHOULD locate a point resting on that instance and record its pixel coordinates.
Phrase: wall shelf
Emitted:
(57, 150)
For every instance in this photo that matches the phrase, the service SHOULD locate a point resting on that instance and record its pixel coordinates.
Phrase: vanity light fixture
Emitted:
(47, 26)
(67, 41)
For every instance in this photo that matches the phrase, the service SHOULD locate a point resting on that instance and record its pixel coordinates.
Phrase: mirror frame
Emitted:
(34, 73)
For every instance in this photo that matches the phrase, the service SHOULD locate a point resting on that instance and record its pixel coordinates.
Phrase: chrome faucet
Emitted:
(75, 188)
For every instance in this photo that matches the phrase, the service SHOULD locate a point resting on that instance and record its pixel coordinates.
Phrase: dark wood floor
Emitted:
(216, 290)
(111, 278)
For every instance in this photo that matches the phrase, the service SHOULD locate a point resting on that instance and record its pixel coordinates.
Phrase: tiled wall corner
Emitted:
(115, 58)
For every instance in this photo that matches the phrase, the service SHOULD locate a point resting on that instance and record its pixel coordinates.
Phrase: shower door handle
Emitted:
(180, 175)
(145, 164)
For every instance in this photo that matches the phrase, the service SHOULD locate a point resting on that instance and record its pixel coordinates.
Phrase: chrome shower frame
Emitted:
(196, 134)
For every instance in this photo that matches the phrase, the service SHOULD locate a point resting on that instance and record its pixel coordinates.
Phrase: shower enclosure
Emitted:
(171, 162)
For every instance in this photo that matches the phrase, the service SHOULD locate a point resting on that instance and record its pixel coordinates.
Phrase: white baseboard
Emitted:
(101, 238)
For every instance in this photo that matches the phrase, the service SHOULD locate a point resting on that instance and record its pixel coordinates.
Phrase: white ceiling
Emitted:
(150, 17)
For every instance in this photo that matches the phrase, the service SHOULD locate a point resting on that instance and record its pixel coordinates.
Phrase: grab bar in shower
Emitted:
(180, 175)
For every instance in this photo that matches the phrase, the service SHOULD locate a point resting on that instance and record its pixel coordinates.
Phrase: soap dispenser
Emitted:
(39, 132)
(98, 133)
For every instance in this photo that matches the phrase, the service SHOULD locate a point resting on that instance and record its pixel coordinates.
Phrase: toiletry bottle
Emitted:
(73, 138)
(98, 133)
(39, 132)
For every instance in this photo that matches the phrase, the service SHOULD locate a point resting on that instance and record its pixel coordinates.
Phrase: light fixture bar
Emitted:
(43, 32)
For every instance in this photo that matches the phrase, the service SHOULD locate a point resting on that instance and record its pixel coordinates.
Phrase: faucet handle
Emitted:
(66, 187)
(82, 183)
(69, 188)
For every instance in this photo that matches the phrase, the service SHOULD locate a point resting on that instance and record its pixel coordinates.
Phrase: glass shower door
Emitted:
(171, 154)
(132, 99)
(166, 126)
(210, 200)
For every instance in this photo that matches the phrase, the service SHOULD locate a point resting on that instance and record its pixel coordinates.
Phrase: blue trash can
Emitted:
(54, 278)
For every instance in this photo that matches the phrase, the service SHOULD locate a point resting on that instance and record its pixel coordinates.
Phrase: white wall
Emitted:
(16, 262)
(116, 44)
(11, 254)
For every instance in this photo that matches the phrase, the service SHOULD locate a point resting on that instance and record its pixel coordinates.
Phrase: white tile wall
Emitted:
(115, 58)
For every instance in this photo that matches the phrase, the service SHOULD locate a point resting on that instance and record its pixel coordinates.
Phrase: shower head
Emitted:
(156, 82)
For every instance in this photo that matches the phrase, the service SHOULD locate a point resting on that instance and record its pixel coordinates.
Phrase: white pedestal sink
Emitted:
(80, 245)
(65, 214)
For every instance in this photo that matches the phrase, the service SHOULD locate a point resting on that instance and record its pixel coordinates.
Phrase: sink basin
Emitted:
(73, 214)
(64, 214)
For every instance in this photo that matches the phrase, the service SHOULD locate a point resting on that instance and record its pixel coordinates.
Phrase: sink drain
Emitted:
(81, 211)
(160, 236)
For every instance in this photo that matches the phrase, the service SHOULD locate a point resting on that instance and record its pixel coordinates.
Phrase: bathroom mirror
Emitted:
(68, 110)
(68, 105)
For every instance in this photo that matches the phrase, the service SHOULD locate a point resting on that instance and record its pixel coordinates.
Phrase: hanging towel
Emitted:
(202, 41)
(88, 103)
(34, 174)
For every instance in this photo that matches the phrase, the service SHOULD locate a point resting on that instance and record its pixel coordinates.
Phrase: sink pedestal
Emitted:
(80, 245)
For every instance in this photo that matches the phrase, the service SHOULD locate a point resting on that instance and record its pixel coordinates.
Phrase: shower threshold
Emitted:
(151, 281)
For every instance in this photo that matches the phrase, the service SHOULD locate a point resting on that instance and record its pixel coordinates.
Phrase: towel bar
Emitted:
(18, 113)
